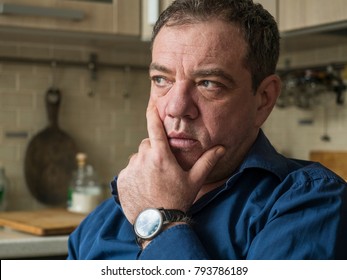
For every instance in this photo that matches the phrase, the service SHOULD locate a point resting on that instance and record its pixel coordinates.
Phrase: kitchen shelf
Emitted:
(60, 37)
(320, 36)
(94, 42)
(294, 40)
(92, 65)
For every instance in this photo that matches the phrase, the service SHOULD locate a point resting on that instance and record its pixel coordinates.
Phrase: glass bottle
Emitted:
(4, 185)
(85, 191)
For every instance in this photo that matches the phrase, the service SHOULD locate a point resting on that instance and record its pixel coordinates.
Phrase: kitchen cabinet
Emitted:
(146, 25)
(19, 245)
(118, 17)
(296, 14)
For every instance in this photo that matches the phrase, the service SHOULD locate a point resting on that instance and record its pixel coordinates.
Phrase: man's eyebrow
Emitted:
(217, 72)
(160, 68)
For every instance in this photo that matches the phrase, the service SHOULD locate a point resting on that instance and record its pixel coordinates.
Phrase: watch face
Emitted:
(148, 223)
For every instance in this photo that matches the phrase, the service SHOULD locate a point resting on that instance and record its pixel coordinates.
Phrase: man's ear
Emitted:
(267, 94)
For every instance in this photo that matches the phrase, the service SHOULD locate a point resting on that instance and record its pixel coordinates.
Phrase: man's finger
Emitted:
(156, 131)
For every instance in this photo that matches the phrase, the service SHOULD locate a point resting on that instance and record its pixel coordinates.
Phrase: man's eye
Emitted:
(160, 81)
(210, 85)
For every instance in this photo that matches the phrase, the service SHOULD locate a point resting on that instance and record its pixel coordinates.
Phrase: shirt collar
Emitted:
(264, 156)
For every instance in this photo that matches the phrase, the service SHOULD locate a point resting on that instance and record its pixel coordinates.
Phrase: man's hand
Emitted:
(153, 178)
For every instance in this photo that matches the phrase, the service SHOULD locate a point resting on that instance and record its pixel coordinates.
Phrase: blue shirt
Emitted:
(272, 207)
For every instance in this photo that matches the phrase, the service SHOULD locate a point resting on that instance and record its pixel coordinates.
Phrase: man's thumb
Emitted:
(205, 164)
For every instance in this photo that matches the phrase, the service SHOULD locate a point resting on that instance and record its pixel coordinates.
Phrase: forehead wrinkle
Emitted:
(197, 53)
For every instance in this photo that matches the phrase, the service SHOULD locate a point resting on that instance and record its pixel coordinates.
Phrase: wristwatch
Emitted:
(150, 222)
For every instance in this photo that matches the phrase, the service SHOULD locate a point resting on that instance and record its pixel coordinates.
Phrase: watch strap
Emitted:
(173, 215)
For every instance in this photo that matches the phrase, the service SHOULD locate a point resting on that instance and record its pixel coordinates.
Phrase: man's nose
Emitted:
(181, 101)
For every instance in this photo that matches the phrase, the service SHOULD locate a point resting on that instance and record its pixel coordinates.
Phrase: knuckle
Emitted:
(145, 143)
(159, 161)
(132, 157)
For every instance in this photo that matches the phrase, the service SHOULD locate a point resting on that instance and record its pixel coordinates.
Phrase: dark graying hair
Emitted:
(257, 25)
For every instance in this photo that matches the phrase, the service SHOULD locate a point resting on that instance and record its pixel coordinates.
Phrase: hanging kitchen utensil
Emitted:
(337, 84)
(325, 137)
(127, 80)
(92, 66)
(50, 157)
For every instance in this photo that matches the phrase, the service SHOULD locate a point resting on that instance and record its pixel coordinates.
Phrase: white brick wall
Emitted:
(108, 126)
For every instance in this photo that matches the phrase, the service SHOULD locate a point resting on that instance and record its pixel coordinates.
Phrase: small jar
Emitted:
(85, 191)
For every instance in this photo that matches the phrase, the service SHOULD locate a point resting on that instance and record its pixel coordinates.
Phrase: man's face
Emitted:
(203, 92)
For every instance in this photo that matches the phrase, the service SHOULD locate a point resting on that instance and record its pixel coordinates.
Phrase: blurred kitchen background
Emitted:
(103, 109)
(97, 52)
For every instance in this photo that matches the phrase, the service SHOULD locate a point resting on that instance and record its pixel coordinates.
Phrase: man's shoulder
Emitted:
(311, 170)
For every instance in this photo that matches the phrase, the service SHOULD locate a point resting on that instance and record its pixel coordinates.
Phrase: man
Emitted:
(207, 184)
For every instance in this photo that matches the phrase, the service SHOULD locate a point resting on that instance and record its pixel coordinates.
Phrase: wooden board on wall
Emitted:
(334, 160)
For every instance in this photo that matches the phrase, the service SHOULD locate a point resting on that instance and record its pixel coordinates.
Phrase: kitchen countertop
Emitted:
(19, 245)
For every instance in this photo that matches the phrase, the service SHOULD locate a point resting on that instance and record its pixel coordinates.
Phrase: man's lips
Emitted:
(181, 141)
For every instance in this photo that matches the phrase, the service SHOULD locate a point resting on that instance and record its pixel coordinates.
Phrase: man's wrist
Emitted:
(143, 243)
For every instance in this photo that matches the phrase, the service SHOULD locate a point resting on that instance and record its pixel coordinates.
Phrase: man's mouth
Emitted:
(181, 141)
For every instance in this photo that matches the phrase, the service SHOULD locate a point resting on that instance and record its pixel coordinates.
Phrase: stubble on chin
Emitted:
(185, 159)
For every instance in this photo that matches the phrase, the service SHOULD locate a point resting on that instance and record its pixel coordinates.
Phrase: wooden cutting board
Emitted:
(334, 160)
(42, 222)
(50, 157)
